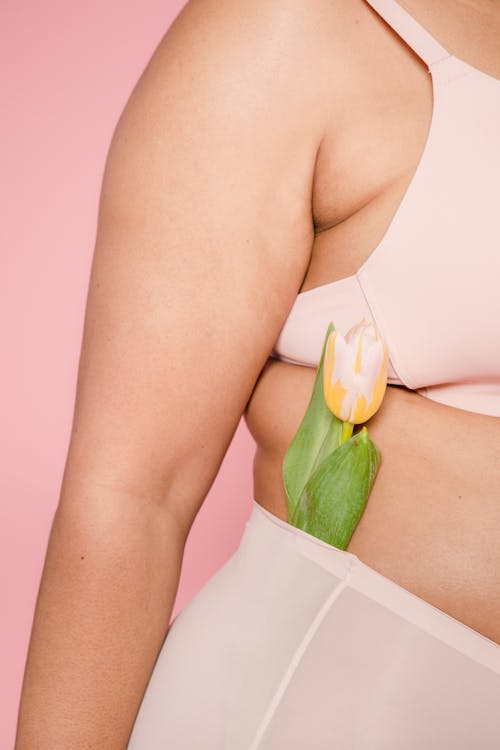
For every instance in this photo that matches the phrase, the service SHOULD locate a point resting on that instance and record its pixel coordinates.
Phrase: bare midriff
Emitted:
(432, 520)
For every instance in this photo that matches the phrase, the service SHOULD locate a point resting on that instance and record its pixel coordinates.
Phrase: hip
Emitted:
(294, 643)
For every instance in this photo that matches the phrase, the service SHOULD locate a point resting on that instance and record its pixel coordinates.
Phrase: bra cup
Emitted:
(431, 285)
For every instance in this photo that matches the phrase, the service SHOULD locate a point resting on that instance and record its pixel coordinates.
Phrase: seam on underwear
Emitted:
(297, 656)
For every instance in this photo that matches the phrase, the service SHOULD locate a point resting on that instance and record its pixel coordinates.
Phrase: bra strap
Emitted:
(418, 38)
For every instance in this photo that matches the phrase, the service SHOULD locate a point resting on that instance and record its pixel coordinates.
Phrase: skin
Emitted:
(228, 188)
(435, 498)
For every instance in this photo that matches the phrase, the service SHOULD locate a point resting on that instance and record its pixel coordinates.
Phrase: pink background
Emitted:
(68, 69)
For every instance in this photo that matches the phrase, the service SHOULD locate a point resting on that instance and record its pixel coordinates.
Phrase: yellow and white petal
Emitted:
(355, 375)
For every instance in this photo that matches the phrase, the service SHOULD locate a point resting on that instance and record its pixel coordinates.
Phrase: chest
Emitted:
(405, 204)
(380, 112)
(376, 125)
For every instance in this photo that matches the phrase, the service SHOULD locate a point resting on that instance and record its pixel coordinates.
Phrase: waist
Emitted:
(432, 519)
(349, 570)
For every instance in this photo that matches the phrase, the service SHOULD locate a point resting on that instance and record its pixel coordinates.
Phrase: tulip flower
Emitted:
(328, 472)
(355, 374)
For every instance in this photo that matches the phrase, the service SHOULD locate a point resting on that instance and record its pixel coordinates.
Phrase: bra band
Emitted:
(415, 36)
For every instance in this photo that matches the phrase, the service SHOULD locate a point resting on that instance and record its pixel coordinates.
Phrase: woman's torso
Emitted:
(433, 515)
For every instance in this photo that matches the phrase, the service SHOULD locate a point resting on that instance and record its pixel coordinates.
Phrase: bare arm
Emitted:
(204, 234)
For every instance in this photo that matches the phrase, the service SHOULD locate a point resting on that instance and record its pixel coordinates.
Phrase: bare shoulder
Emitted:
(295, 52)
(272, 43)
(262, 46)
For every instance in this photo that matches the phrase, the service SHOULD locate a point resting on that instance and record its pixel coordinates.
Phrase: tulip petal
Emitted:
(355, 373)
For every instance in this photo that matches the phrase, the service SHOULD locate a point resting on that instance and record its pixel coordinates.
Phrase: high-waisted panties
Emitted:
(296, 645)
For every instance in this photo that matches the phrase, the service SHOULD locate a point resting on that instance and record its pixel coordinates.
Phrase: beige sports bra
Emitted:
(432, 285)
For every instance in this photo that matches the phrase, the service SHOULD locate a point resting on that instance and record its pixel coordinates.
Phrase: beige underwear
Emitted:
(296, 645)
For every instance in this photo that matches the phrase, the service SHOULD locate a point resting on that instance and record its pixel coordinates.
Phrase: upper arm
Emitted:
(204, 234)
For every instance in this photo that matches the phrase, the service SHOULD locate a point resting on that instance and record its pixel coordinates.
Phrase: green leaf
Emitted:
(335, 495)
(318, 434)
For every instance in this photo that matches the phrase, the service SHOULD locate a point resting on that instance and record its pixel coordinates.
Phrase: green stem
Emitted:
(347, 428)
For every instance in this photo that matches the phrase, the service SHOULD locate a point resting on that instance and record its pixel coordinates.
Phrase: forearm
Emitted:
(106, 595)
